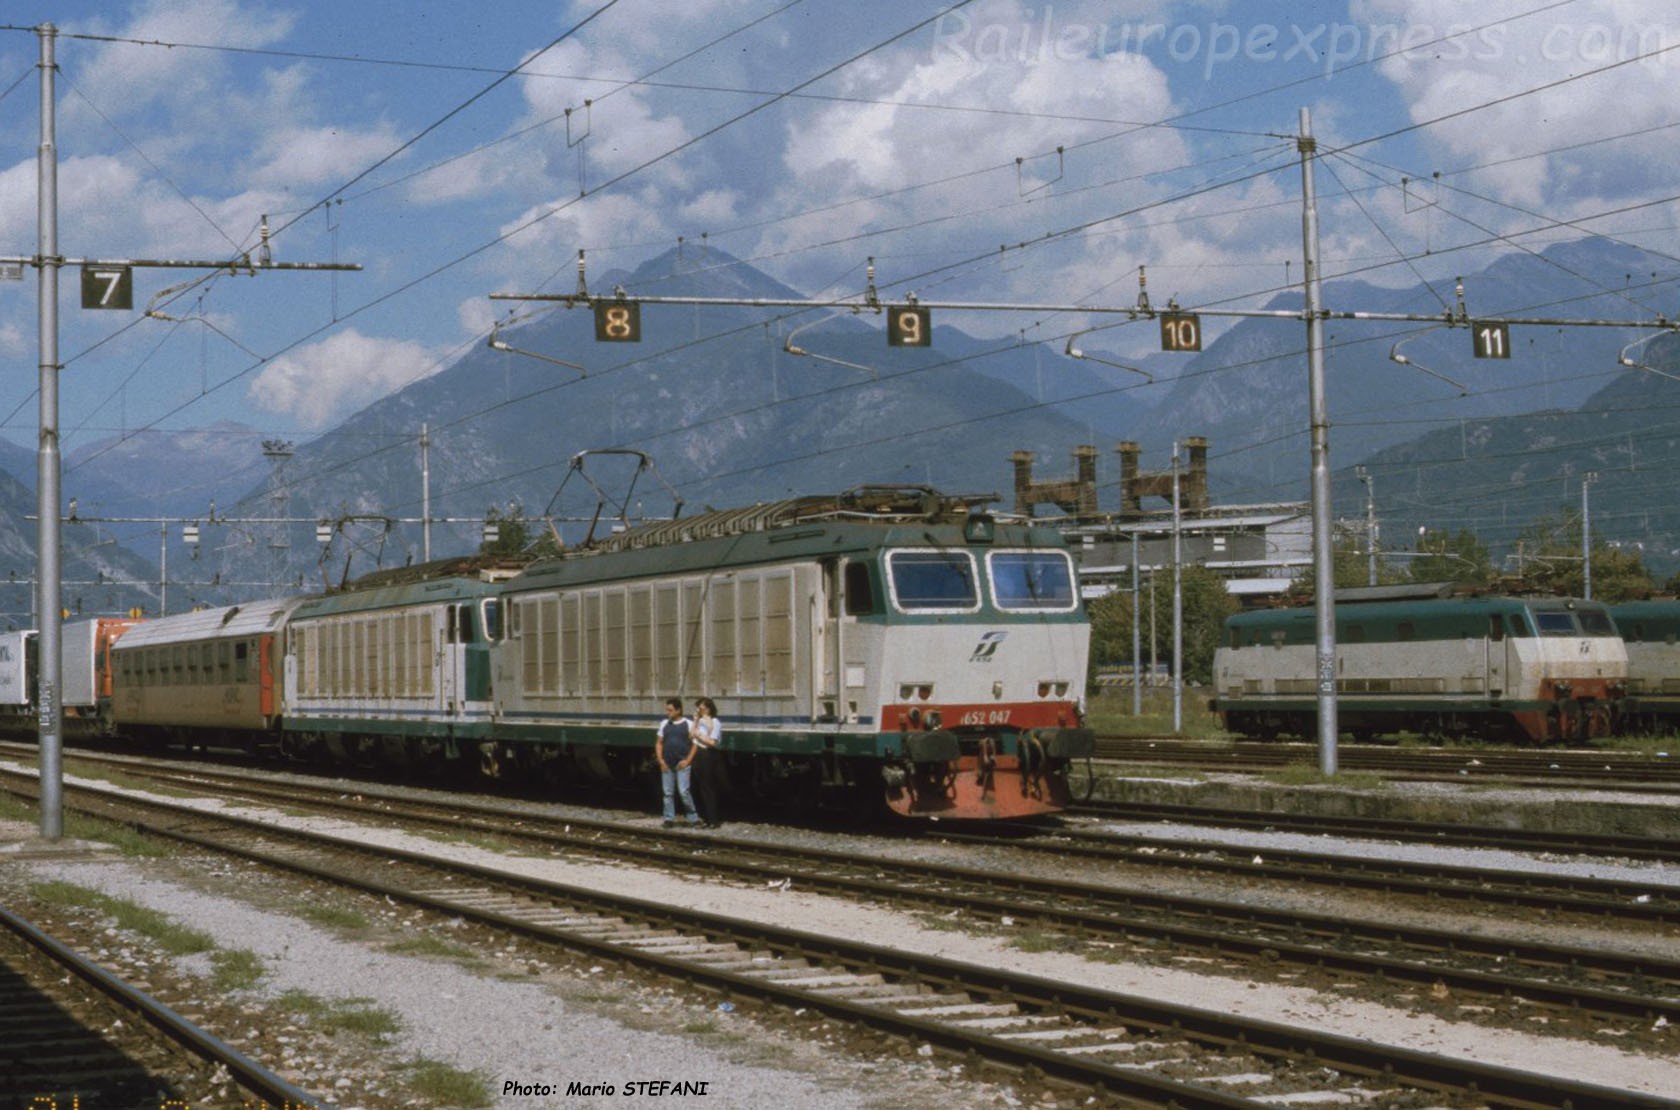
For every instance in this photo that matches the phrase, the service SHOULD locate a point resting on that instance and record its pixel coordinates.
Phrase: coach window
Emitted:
(241, 661)
(860, 590)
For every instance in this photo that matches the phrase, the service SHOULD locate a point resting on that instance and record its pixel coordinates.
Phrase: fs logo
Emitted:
(987, 647)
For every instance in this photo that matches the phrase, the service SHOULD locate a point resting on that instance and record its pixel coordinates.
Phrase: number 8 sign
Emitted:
(618, 322)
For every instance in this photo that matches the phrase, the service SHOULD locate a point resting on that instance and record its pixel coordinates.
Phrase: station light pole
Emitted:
(106, 284)
(1587, 480)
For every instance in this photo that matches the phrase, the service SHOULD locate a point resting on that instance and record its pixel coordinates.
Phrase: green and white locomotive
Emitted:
(1503, 668)
(886, 643)
(1651, 631)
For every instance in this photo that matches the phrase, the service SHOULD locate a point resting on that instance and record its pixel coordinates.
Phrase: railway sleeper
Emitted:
(884, 995)
(815, 982)
(726, 957)
(962, 1009)
(1007, 1023)
(1047, 1036)
(786, 974)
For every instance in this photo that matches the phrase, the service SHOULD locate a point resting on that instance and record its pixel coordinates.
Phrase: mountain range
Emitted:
(727, 413)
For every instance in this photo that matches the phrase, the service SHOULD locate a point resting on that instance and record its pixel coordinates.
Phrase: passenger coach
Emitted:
(210, 676)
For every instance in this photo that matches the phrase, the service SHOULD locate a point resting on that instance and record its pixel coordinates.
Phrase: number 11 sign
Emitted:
(1490, 340)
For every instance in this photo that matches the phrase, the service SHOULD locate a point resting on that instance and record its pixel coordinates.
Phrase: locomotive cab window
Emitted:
(491, 615)
(1032, 581)
(933, 581)
(1555, 624)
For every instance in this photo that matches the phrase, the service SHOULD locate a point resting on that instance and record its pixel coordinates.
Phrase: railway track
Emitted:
(1635, 772)
(1653, 904)
(74, 1034)
(1580, 989)
(985, 1015)
(1643, 904)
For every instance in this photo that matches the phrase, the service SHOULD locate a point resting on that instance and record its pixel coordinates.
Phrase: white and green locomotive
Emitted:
(1504, 668)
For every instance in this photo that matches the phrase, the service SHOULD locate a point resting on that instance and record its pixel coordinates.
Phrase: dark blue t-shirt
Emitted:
(677, 741)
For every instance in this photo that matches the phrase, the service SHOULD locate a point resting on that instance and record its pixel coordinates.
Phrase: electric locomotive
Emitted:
(889, 645)
(1651, 631)
(397, 670)
(1512, 669)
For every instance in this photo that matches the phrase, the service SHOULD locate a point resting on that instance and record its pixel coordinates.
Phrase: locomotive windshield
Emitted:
(933, 580)
(1596, 622)
(1032, 580)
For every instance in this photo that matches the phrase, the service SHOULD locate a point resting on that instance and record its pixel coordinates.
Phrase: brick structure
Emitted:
(1137, 484)
(1076, 496)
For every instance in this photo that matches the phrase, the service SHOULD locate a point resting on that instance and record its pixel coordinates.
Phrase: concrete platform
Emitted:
(1559, 809)
(20, 840)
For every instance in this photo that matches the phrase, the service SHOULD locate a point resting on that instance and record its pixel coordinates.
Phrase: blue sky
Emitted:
(998, 151)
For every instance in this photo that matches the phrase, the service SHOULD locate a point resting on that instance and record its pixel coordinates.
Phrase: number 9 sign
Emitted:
(909, 326)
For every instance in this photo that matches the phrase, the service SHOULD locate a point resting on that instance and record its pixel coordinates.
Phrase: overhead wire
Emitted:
(1023, 244)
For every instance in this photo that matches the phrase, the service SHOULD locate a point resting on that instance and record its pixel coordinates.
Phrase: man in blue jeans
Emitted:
(675, 751)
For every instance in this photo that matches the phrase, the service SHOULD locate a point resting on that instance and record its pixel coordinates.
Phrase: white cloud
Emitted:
(555, 230)
(325, 382)
(13, 343)
(1519, 54)
(303, 156)
(126, 81)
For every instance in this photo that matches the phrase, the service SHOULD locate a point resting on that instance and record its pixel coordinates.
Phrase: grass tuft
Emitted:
(236, 969)
(176, 939)
(341, 1015)
(446, 1085)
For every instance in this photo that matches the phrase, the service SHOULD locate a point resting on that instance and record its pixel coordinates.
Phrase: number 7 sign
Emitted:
(108, 287)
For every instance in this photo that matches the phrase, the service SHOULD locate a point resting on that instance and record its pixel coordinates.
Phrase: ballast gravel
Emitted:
(547, 1034)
